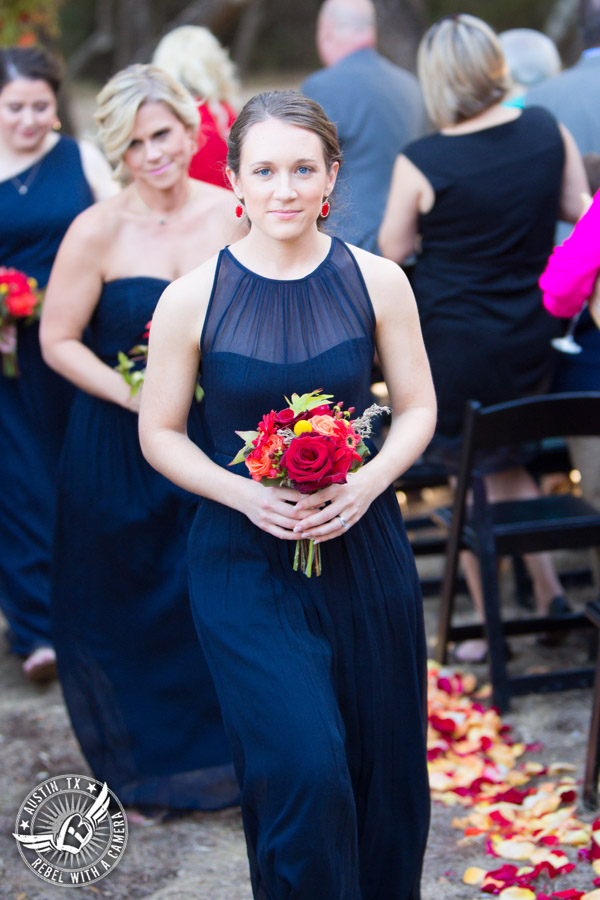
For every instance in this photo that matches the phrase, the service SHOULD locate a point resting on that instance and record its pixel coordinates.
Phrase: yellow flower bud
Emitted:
(302, 426)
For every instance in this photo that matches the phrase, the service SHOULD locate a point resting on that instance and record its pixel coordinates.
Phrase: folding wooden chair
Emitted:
(592, 762)
(494, 530)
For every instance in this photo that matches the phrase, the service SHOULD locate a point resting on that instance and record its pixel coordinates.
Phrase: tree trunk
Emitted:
(133, 30)
(400, 26)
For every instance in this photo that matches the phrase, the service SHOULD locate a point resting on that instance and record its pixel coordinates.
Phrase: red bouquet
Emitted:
(128, 363)
(20, 301)
(307, 446)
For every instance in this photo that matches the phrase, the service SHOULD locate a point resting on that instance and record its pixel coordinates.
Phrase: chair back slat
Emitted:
(530, 419)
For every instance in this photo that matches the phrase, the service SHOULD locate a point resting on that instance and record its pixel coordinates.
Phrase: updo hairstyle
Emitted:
(292, 108)
(462, 69)
(34, 63)
(121, 98)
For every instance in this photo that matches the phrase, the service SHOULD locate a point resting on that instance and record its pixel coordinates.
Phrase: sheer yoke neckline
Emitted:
(287, 321)
(282, 280)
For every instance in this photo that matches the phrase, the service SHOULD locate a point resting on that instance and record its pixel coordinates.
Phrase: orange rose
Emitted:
(324, 425)
(260, 461)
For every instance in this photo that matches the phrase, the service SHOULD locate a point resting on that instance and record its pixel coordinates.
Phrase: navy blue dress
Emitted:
(139, 693)
(34, 407)
(321, 680)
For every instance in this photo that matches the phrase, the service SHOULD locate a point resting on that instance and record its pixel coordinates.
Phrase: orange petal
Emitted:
(516, 893)
(474, 875)
(516, 850)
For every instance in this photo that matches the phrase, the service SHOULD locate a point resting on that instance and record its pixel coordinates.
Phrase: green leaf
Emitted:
(306, 402)
(247, 436)
(199, 393)
(239, 457)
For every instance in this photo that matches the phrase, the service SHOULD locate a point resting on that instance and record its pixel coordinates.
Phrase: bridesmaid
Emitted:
(46, 179)
(322, 679)
(137, 688)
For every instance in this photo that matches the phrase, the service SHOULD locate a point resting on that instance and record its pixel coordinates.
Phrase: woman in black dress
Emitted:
(484, 194)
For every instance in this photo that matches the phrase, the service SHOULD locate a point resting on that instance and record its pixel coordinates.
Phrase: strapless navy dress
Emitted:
(321, 680)
(137, 687)
(34, 407)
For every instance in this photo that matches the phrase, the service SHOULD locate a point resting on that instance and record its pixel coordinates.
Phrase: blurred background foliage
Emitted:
(97, 37)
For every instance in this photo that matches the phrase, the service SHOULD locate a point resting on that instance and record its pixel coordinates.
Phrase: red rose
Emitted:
(287, 418)
(21, 304)
(324, 410)
(313, 462)
(15, 280)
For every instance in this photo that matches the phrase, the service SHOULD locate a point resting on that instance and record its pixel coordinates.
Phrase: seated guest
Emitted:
(481, 198)
(194, 57)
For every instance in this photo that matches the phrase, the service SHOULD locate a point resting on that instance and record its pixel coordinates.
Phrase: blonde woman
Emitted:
(480, 200)
(135, 682)
(193, 56)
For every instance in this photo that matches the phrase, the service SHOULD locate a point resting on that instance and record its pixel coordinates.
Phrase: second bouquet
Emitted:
(308, 445)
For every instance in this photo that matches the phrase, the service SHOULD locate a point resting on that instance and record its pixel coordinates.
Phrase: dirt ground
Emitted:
(202, 856)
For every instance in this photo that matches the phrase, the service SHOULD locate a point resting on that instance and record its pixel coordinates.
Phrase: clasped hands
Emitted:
(321, 516)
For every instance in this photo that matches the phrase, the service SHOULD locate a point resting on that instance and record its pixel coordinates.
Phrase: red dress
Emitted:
(208, 164)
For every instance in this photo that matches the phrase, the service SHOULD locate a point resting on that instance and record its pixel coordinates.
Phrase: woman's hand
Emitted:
(130, 401)
(273, 509)
(8, 338)
(324, 513)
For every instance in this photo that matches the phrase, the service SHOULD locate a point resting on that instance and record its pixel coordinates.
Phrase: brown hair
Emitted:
(34, 63)
(291, 107)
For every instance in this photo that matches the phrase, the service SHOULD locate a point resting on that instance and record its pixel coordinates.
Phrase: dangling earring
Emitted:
(239, 210)
(325, 208)
(57, 125)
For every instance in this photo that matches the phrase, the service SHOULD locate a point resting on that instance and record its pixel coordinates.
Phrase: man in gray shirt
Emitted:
(377, 108)
(573, 97)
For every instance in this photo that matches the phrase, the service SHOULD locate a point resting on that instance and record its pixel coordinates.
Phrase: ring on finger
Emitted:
(343, 521)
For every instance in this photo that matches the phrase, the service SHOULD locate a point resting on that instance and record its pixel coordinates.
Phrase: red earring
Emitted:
(325, 209)
(239, 211)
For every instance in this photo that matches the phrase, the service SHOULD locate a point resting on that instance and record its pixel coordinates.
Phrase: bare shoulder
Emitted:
(213, 197)
(97, 227)
(185, 301)
(385, 280)
(91, 153)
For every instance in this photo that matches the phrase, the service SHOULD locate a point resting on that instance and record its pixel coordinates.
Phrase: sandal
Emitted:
(475, 652)
(558, 607)
(40, 665)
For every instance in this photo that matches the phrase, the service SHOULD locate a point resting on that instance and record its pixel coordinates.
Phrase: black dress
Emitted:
(321, 680)
(485, 244)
